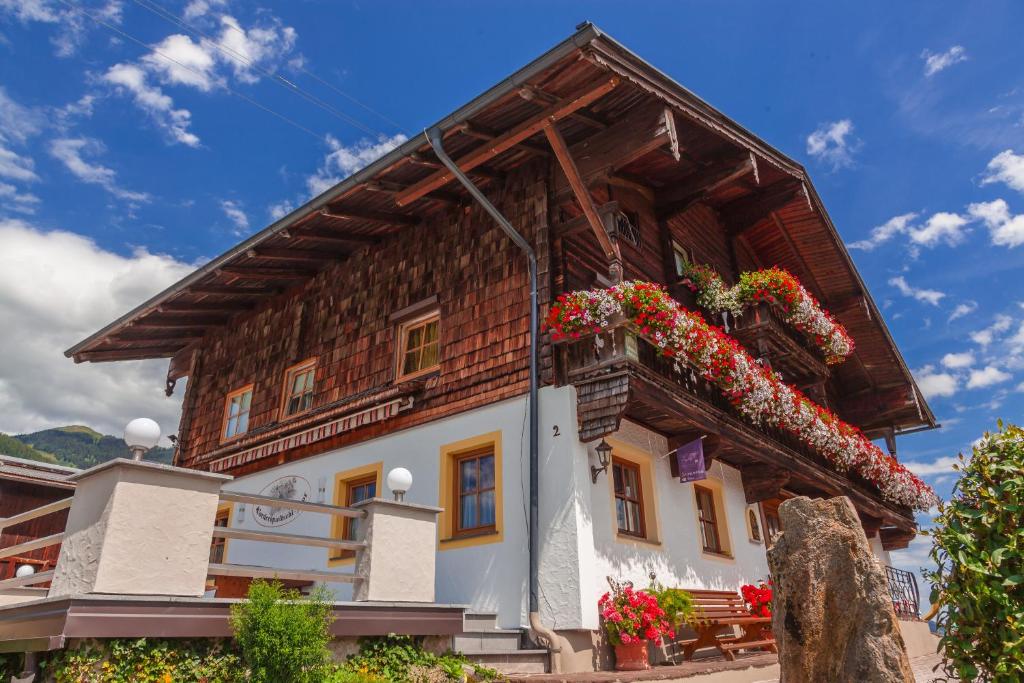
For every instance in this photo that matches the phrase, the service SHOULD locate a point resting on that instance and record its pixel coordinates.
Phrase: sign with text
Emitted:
(690, 461)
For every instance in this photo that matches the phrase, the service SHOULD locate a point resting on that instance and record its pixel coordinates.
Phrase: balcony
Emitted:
(906, 599)
(768, 337)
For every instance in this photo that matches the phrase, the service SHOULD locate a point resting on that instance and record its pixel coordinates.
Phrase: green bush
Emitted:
(283, 636)
(979, 550)
(145, 661)
(677, 603)
(402, 659)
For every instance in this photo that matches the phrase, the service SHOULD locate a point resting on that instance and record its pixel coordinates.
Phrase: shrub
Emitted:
(630, 616)
(401, 658)
(145, 661)
(979, 550)
(676, 603)
(283, 636)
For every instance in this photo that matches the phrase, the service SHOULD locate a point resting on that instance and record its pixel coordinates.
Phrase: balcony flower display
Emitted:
(758, 393)
(632, 618)
(779, 287)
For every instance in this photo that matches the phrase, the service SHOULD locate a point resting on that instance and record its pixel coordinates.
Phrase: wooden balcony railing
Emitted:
(17, 549)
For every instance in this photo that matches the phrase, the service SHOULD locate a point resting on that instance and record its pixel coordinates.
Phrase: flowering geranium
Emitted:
(758, 393)
(631, 616)
(775, 286)
(758, 598)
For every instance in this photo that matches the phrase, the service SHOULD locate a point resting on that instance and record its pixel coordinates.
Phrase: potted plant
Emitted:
(759, 602)
(632, 618)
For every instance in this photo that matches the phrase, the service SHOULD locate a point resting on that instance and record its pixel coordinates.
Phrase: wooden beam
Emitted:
(420, 159)
(189, 335)
(392, 188)
(139, 352)
(895, 538)
(288, 254)
(611, 250)
(178, 323)
(534, 94)
(699, 185)
(473, 130)
(329, 236)
(232, 290)
(762, 482)
(187, 307)
(267, 273)
(346, 213)
(642, 131)
(507, 140)
(742, 214)
(581, 223)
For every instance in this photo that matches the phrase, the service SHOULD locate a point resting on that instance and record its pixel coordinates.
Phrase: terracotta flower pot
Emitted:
(632, 657)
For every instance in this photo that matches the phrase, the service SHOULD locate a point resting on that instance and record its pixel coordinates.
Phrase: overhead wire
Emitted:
(169, 16)
(124, 34)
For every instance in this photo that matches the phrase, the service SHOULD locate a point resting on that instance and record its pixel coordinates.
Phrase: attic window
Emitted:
(298, 388)
(419, 345)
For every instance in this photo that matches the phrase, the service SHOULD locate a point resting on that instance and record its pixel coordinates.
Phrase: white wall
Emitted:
(881, 553)
(491, 577)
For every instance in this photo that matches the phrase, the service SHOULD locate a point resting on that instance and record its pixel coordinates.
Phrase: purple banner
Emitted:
(690, 461)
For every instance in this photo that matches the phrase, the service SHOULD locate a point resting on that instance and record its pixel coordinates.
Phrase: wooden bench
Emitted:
(718, 609)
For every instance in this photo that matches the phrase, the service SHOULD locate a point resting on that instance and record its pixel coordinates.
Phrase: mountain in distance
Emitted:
(75, 446)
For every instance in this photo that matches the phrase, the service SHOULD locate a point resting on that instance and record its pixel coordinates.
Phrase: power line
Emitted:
(231, 90)
(243, 59)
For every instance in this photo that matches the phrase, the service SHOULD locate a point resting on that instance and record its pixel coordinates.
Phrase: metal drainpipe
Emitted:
(435, 138)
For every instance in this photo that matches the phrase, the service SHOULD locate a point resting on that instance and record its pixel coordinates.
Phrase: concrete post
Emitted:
(397, 564)
(138, 528)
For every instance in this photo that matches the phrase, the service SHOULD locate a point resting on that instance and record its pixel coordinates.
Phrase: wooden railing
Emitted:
(260, 572)
(17, 549)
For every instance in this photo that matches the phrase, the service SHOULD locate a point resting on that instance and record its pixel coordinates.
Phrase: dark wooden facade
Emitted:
(26, 485)
(599, 160)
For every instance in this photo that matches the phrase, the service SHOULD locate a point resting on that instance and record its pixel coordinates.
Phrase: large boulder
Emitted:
(831, 611)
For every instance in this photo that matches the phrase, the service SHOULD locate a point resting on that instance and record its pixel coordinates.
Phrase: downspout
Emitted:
(435, 139)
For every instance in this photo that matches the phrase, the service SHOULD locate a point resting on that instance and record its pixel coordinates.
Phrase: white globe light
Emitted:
(399, 481)
(142, 433)
(25, 570)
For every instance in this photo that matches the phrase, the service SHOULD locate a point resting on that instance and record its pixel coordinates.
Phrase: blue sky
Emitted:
(120, 170)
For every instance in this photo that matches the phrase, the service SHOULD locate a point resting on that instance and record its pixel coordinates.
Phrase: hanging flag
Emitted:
(690, 461)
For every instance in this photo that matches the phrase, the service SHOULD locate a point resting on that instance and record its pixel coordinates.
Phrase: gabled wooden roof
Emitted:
(585, 85)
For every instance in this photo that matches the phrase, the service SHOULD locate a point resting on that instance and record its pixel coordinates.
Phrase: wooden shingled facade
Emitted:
(604, 165)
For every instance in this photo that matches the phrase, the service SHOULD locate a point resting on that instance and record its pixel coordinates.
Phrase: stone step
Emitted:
(479, 621)
(469, 642)
(513, 661)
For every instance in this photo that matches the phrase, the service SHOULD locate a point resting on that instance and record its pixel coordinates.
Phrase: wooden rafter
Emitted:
(611, 250)
(101, 355)
(703, 183)
(474, 130)
(230, 290)
(328, 236)
(178, 323)
(742, 214)
(533, 94)
(393, 188)
(186, 337)
(193, 307)
(304, 255)
(346, 213)
(507, 140)
(266, 272)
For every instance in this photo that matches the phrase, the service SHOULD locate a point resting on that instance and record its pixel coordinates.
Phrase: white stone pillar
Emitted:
(397, 564)
(138, 528)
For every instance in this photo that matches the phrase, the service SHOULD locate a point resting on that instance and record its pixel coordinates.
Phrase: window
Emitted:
(753, 526)
(419, 346)
(627, 227)
(469, 492)
(474, 488)
(629, 502)
(236, 413)
(298, 388)
(219, 546)
(772, 525)
(351, 487)
(681, 258)
(708, 520)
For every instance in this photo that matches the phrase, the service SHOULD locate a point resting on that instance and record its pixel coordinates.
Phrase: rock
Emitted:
(831, 611)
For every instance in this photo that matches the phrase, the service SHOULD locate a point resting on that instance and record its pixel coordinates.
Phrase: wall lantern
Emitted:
(141, 434)
(604, 456)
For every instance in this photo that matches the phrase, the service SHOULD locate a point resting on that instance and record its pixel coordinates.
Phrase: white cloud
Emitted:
(941, 227)
(199, 8)
(233, 210)
(986, 336)
(962, 310)
(258, 46)
(833, 144)
(179, 61)
(61, 287)
(958, 360)
(342, 161)
(72, 25)
(16, 166)
(1004, 228)
(933, 383)
(929, 296)
(1006, 167)
(943, 465)
(152, 100)
(280, 209)
(934, 62)
(14, 200)
(17, 124)
(69, 151)
(897, 225)
(986, 377)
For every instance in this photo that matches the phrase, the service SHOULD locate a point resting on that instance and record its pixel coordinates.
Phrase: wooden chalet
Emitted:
(386, 322)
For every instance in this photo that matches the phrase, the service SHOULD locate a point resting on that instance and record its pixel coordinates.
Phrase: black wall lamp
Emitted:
(604, 456)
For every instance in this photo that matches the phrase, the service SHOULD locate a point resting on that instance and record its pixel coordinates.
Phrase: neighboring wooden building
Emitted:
(386, 323)
(25, 485)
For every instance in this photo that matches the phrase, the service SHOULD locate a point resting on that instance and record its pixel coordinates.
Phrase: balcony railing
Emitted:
(15, 550)
(906, 599)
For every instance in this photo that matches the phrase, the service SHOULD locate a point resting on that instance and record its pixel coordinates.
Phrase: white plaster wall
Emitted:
(490, 577)
(679, 559)
(881, 553)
